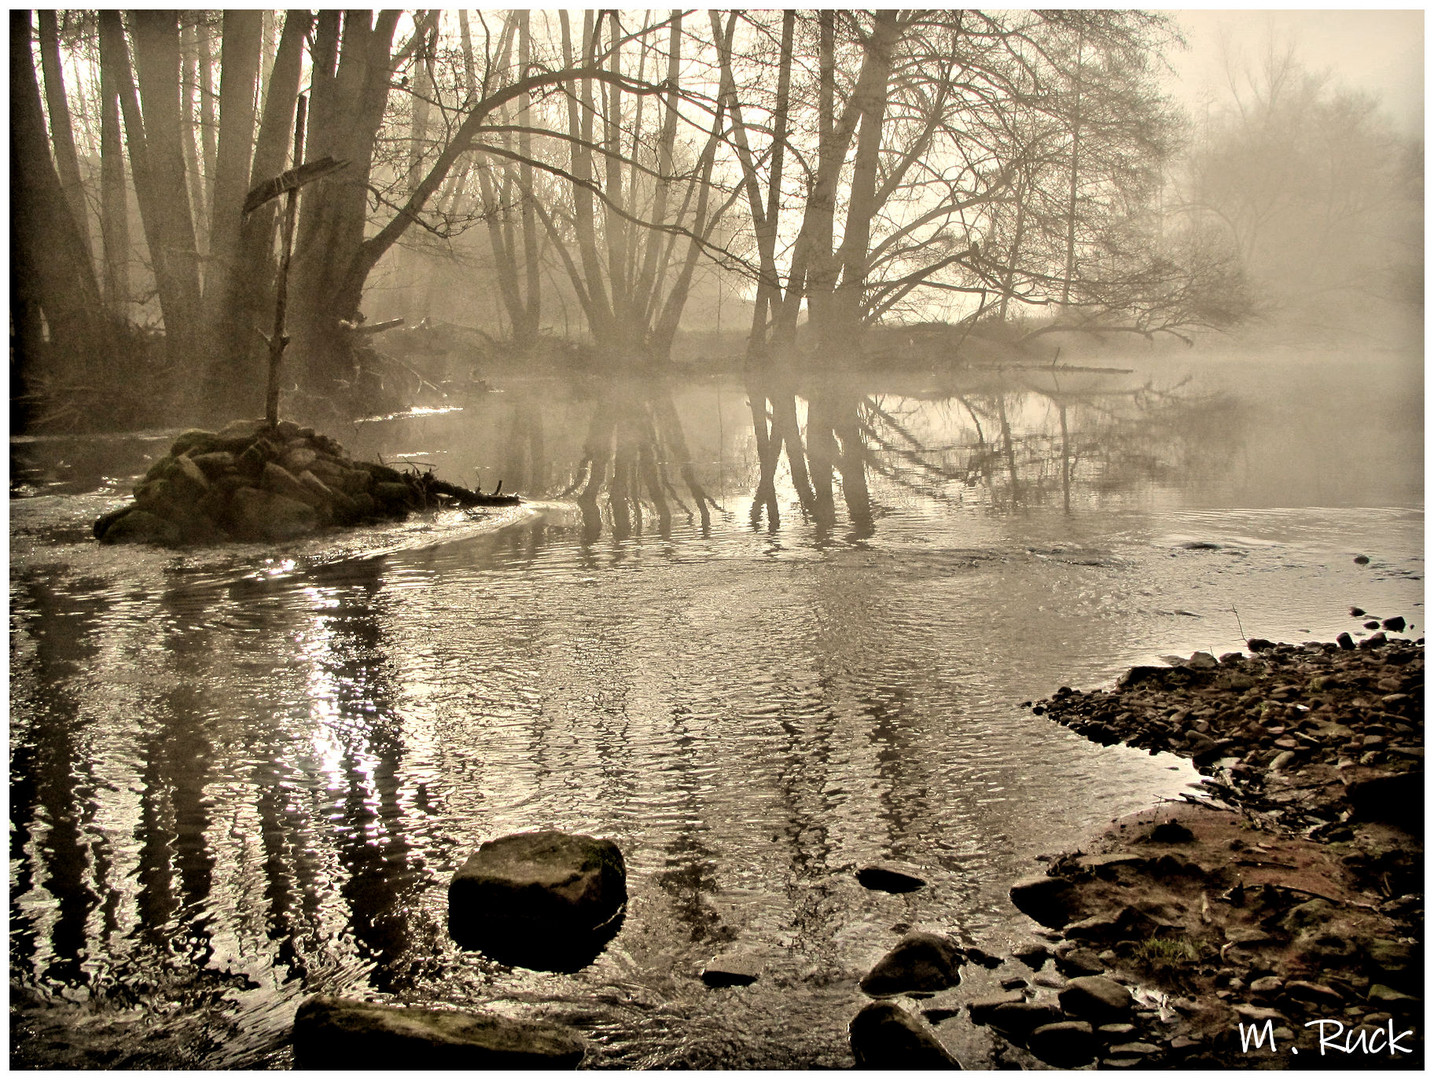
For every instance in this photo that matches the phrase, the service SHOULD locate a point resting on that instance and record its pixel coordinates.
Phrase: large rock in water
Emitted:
(919, 962)
(333, 1033)
(539, 899)
(885, 1036)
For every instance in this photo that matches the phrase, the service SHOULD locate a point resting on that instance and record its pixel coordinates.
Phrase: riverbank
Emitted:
(1276, 923)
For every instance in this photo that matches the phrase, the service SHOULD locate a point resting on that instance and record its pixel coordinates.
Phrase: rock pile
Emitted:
(1314, 734)
(250, 481)
(1295, 899)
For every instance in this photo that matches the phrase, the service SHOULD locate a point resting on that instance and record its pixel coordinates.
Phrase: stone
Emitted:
(298, 458)
(1317, 993)
(1079, 962)
(1395, 624)
(334, 1033)
(1255, 1014)
(193, 439)
(263, 515)
(393, 493)
(1171, 832)
(1395, 963)
(977, 955)
(1202, 661)
(1140, 1049)
(1362, 560)
(982, 1009)
(241, 430)
(1094, 997)
(1111, 1032)
(141, 527)
(1032, 953)
(105, 520)
(1374, 641)
(1344, 641)
(887, 877)
(1022, 1017)
(1051, 901)
(885, 1036)
(545, 899)
(1065, 1044)
(732, 969)
(918, 962)
(1269, 984)
(1379, 994)
(215, 463)
(281, 481)
(191, 474)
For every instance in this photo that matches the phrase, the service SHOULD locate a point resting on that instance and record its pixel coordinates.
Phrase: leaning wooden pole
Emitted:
(280, 340)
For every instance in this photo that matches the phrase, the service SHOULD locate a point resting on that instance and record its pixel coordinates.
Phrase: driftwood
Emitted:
(462, 496)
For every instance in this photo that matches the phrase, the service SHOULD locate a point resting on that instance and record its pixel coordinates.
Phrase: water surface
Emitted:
(240, 776)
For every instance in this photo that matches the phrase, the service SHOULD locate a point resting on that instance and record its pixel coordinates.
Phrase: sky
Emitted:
(1378, 51)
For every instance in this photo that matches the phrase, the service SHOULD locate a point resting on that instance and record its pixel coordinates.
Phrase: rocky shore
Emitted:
(1276, 921)
(251, 481)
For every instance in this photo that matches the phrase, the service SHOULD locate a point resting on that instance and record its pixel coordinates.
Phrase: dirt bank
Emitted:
(1275, 923)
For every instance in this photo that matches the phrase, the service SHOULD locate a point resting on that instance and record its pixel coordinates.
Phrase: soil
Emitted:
(1284, 904)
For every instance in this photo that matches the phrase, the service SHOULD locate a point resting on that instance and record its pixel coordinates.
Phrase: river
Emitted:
(241, 775)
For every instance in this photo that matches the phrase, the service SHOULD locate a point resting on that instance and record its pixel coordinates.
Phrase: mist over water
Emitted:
(241, 775)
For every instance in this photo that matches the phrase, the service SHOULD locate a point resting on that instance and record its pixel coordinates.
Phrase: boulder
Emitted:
(1065, 1044)
(334, 1033)
(919, 962)
(885, 1036)
(543, 899)
(1051, 901)
(1094, 997)
(885, 877)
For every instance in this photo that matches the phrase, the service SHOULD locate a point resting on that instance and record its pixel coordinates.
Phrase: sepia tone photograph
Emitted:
(716, 539)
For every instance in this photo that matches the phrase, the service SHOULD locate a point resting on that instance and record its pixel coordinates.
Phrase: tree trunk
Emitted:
(328, 257)
(527, 334)
(1074, 178)
(840, 325)
(62, 133)
(238, 77)
(51, 274)
(172, 247)
(114, 200)
(188, 83)
(236, 316)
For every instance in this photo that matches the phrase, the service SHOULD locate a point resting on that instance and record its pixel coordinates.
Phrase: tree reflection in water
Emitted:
(633, 441)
